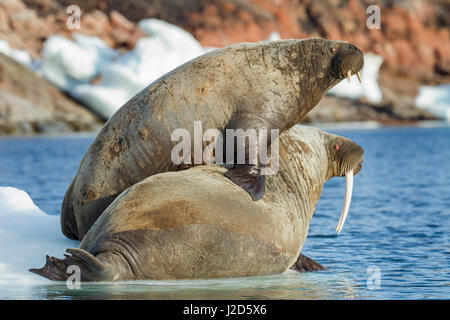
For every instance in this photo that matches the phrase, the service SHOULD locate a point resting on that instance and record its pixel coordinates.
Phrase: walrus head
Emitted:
(322, 64)
(308, 158)
(333, 60)
(345, 158)
(346, 59)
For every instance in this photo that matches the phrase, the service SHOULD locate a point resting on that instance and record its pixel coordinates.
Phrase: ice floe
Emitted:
(27, 234)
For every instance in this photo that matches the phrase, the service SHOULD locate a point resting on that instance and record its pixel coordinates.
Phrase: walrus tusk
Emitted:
(349, 75)
(347, 199)
(359, 77)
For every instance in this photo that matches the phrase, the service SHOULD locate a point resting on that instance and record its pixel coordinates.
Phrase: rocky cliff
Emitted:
(413, 39)
(29, 104)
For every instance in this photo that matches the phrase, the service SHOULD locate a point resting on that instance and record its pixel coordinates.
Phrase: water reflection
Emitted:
(289, 285)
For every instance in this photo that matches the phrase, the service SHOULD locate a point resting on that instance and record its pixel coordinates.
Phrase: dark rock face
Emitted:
(394, 110)
(29, 104)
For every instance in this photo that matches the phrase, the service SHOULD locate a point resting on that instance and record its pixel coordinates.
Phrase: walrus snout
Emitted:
(349, 158)
(347, 61)
(358, 167)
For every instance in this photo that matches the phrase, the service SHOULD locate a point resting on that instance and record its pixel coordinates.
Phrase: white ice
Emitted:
(27, 234)
(68, 63)
(273, 36)
(436, 100)
(369, 87)
(19, 55)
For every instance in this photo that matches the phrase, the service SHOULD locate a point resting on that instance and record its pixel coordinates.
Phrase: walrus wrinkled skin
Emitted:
(196, 223)
(263, 85)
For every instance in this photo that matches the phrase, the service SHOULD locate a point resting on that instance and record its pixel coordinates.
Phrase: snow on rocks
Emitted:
(67, 63)
(72, 65)
(19, 55)
(435, 99)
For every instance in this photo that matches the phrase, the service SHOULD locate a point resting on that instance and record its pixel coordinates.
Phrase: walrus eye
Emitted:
(336, 147)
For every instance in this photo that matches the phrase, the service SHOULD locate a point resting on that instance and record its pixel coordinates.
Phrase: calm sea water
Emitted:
(394, 245)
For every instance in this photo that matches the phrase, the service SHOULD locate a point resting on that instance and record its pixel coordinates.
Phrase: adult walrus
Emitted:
(164, 228)
(268, 85)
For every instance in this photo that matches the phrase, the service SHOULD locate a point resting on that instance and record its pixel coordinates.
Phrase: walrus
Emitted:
(262, 86)
(196, 223)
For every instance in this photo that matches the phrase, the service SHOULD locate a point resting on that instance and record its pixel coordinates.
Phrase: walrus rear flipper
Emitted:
(306, 264)
(249, 179)
(91, 269)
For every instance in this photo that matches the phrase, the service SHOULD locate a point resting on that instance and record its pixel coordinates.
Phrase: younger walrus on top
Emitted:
(259, 86)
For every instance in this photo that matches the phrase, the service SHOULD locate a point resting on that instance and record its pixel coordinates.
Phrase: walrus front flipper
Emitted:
(250, 135)
(249, 179)
(91, 269)
(305, 264)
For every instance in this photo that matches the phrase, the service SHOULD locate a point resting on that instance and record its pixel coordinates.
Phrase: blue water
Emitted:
(394, 245)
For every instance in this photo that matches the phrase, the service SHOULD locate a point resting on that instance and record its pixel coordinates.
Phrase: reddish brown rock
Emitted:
(119, 21)
(414, 38)
(413, 33)
(27, 24)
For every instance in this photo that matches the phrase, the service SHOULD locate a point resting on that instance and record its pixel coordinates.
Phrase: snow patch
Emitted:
(435, 99)
(20, 56)
(273, 36)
